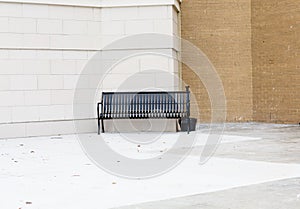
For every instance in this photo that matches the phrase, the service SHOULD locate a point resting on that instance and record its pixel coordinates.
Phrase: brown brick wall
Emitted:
(254, 46)
(276, 62)
(222, 30)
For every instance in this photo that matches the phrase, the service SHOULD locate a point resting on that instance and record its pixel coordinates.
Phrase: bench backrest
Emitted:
(145, 104)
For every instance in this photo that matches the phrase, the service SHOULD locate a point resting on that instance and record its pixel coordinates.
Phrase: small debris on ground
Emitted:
(114, 183)
(28, 203)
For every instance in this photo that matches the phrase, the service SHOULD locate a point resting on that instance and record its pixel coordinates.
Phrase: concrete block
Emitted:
(75, 55)
(84, 13)
(62, 67)
(4, 82)
(11, 67)
(9, 40)
(62, 97)
(139, 26)
(4, 54)
(94, 28)
(11, 98)
(127, 66)
(74, 42)
(50, 82)
(22, 25)
(153, 12)
(47, 55)
(69, 115)
(97, 14)
(175, 29)
(39, 129)
(154, 62)
(49, 128)
(35, 98)
(81, 64)
(70, 81)
(63, 127)
(121, 13)
(36, 41)
(22, 54)
(163, 26)
(10, 9)
(53, 112)
(74, 27)
(49, 26)
(86, 126)
(36, 67)
(61, 12)
(25, 114)
(12, 130)
(5, 113)
(35, 10)
(112, 28)
(4, 24)
(23, 82)
(118, 79)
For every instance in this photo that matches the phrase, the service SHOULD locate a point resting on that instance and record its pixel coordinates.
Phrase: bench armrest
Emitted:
(99, 109)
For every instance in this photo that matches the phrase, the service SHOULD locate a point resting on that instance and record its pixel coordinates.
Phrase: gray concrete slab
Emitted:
(284, 194)
(277, 144)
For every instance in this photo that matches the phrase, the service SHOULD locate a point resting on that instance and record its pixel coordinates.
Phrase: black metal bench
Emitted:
(144, 105)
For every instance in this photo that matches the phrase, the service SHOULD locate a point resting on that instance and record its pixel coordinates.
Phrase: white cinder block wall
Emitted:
(45, 44)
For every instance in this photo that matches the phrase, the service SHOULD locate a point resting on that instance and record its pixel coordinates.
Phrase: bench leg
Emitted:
(98, 126)
(102, 121)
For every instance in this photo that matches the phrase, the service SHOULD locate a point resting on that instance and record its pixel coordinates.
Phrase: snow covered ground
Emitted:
(54, 173)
